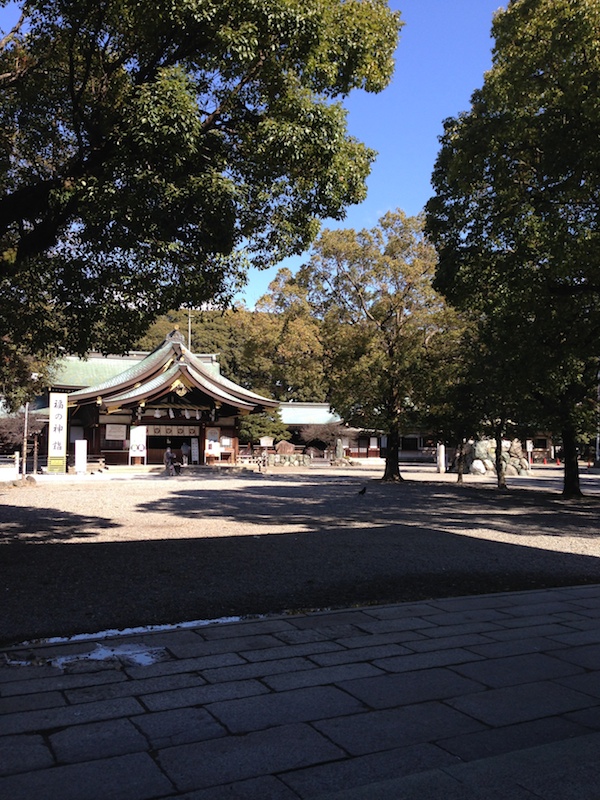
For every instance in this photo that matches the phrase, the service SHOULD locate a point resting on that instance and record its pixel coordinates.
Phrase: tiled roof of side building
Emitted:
(308, 414)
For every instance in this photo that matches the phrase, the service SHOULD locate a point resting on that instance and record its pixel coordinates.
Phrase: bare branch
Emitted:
(213, 118)
(5, 41)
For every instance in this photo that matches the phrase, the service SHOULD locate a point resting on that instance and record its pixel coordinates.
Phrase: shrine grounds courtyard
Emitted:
(82, 554)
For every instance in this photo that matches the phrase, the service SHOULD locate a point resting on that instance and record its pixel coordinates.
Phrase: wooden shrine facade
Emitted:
(167, 398)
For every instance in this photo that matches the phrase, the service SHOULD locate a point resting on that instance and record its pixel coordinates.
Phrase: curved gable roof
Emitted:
(156, 375)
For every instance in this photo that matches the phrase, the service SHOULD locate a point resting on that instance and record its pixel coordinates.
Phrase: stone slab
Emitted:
(129, 777)
(297, 705)
(23, 753)
(407, 688)
(236, 758)
(113, 737)
(513, 704)
(384, 730)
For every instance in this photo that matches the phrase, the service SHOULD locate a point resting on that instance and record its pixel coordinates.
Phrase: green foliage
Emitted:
(292, 345)
(515, 215)
(269, 423)
(21, 377)
(12, 430)
(274, 351)
(387, 335)
(150, 151)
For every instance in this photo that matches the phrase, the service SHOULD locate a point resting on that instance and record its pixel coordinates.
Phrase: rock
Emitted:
(478, 467)
(511, 470)
(515, 449)
(482, 450)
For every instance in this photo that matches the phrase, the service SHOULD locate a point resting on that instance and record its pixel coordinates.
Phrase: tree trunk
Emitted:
(392, 464)
(571, 486)
(500, 469)
(460, 461)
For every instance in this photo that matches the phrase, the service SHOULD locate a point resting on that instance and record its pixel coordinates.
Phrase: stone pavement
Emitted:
(494, 696)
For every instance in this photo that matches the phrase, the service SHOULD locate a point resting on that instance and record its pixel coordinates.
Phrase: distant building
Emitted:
(304, 420)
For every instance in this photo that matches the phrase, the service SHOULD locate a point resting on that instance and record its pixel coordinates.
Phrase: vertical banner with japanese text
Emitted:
(57, 432)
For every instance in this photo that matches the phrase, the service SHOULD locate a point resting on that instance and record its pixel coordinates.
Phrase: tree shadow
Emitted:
(313, 505)
(392, 544)
(25, 524)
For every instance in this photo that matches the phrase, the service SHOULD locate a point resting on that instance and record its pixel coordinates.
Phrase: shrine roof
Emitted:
(72, 372)
(308, 414)
(171, 366)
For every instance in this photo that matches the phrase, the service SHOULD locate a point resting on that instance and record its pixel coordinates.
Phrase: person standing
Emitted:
(185, 453)
(169, 461)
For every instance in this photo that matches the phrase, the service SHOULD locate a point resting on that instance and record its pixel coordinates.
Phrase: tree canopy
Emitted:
(387, 335)
(288, 340)
(275, 351)
(150, 150)
(516, 213)
(268, 423)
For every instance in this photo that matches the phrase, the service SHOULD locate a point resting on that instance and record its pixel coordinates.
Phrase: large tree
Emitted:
(516, 213)
(149, 150)
(274, 350)
(287, 336)
(385, 329)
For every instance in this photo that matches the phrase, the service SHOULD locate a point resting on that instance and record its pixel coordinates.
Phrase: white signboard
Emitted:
(195, 452)
(137, 442)
(80, 456)
(57, 432)
(213, 446)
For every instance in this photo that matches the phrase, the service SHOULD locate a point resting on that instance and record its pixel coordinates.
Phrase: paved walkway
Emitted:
(494, 696)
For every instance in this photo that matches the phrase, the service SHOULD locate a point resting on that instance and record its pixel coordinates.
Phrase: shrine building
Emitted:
(129, 409)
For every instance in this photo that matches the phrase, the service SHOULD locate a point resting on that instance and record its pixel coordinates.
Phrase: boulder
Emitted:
(478, 467)
(482, 449)
(515, 449)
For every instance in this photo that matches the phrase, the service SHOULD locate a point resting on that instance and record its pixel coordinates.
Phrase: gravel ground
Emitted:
(82, 554)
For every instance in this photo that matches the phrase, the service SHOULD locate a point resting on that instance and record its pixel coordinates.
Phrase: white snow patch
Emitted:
(131, 654)
(113, 632)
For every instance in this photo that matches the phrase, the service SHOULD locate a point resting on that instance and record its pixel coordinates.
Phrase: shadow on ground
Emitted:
(50, 526)
(316, 505)
(393, 543)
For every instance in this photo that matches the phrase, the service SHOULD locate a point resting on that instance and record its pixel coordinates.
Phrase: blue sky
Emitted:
(444, 51)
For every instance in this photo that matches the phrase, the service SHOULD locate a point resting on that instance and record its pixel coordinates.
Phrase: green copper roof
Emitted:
(128, 381)
(76, 373)
(100, 371)
(307, 414)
